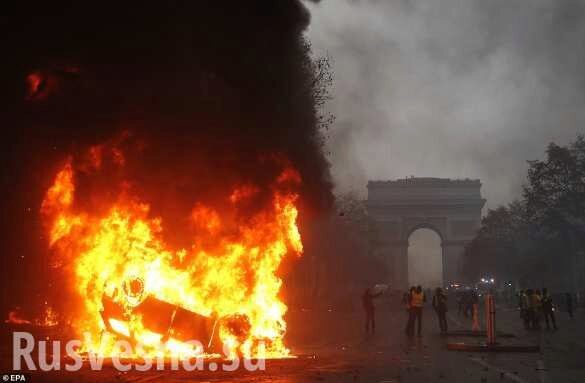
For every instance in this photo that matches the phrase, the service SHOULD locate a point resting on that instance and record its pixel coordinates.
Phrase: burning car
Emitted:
(222, 290)
(161, 323)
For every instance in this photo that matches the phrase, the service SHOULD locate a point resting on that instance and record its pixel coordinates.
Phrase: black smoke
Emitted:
(209, 87)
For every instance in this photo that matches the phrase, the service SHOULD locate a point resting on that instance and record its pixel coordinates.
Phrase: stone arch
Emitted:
(452, 208)
(424, 225)
(409, 242)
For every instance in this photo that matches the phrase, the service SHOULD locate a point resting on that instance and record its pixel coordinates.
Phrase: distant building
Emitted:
(452, 208)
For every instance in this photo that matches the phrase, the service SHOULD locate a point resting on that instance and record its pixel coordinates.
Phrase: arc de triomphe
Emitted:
(452, 208)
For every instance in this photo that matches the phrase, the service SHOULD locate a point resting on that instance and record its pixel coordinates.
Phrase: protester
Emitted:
(535, 302)
(410, 323)
(368, 303)
(440, 306)
(525, 308)
(417, 301)
(548, 309)
(519, 303)
(530, 308)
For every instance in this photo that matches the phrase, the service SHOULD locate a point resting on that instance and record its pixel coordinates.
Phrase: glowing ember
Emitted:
(15, 318)
(48, 319)
(133, 285)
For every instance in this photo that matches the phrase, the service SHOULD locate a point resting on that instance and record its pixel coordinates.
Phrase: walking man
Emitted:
(417, 302)
(410, 322)
(535, 300)
(440, 306)
(548, 309)
(525, 308)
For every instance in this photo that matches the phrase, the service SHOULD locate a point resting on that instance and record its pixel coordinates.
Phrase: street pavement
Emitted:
(331, 346)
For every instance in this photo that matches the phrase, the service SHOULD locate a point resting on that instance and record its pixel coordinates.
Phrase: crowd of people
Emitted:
(414, 301)
(535, 304)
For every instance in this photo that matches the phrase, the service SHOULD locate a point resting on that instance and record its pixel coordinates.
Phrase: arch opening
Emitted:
(425, 258)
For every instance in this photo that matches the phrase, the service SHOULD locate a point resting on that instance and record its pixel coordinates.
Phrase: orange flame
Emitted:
(121, 254)
(48, 319)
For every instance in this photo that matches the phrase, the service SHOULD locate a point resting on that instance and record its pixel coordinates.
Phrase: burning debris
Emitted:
(131, 283)
(48, 318)
(15, 317)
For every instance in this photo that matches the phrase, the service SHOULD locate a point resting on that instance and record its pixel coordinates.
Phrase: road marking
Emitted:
(541, 369)
(506, 374)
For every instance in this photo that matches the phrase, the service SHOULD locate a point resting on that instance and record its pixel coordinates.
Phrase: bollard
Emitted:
(490, 313)
(491, 345)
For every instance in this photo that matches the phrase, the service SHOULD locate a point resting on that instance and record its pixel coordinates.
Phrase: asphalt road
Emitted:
(331, 347)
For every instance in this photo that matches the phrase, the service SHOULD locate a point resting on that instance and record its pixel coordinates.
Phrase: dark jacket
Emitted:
(547, 303)
(440, 302)
(368, 300)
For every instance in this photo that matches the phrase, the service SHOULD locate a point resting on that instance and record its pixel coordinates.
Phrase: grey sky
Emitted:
(450, 88)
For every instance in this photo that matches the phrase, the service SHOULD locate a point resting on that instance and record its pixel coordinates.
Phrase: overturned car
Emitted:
(143, 319)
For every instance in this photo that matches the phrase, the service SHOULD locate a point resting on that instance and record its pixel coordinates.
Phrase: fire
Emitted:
(133, 285)
(15, 318)
(48, 319)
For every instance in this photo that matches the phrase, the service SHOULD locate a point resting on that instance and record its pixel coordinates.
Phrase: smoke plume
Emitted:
(201, 93)
(451, 88)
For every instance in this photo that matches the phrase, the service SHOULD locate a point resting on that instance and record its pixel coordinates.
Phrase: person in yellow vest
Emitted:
(417, 302)
(408, 304)
(536, 307)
